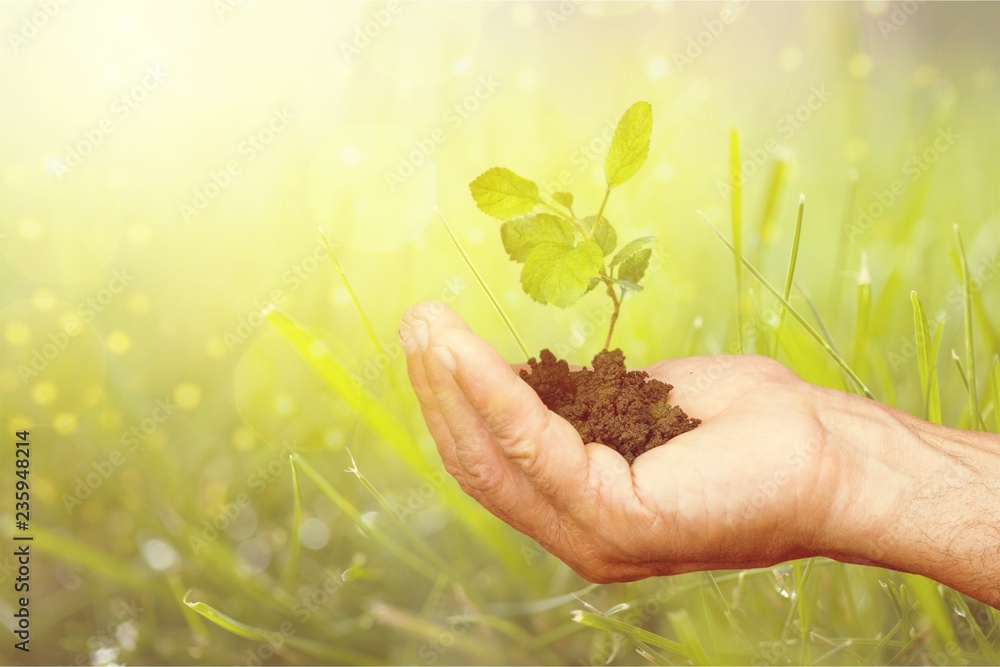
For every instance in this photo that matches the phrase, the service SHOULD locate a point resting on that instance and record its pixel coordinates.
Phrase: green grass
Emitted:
(412, 570)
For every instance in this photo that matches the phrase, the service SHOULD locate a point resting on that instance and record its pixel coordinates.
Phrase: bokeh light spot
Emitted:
(17, 333)
(187, 396)
(314, 533)
(243, 439)
(657, 68)
(44, 392)
(64, 423)
(44, 300)
(118, 342)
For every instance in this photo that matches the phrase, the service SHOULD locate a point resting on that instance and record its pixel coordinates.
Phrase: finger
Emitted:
(464, 441)
(544, 446)
(428, 404)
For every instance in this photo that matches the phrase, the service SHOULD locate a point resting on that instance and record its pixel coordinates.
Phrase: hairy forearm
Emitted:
(916, 496)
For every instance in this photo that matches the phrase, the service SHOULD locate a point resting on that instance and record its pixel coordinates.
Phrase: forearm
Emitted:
(916, 497)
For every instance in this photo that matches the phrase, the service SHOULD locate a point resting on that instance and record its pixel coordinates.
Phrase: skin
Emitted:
(779, 469)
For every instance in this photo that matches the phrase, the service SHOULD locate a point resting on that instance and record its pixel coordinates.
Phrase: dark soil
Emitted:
(622, 409)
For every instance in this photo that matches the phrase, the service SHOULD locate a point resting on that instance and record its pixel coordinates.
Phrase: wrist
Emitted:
(914, 496)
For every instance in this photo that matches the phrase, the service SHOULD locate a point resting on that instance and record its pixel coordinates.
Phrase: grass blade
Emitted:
(840, 257)
(987, 649)
(926, 361)
(85, 557)
(790, 274)
(255, 634)
(996, 392)
(402, 553)
(694, 333)
(736, 213)
(592, 620)
(779, 176)
(863, 318)
(361, 312)
(801, 320)
(482, 283)
(970, 352)
(928, 597)
(385, 425)
(377, 418)
(682, 625)
(291, 570)
(800, 604)
(398, 520)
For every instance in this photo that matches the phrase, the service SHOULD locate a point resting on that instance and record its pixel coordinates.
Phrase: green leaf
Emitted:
(629, 286)
(503, 194)
(521, 235)
(255, 634)
(602, 233)
(563, 198)
(634, 268)
(559, 273)
(631, 248)
(630, 145)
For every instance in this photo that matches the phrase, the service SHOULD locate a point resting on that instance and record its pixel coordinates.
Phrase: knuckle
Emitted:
(487, 479)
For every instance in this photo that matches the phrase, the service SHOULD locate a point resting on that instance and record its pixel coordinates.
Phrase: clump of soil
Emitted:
(623, 409)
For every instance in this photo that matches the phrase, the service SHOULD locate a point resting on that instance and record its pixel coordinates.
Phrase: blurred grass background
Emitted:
(165, 167)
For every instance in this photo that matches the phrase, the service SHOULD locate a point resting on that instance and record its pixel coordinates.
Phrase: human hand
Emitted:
(746, 488)
(778, 469)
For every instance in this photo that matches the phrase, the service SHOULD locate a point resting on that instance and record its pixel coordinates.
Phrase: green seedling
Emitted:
(565, 256)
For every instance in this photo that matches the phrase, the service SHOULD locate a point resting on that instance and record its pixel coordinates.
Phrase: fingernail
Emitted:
(406, 339)
(421, 333)
(446, 358)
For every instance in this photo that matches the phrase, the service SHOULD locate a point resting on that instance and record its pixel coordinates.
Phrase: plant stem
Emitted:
(614, 315)
(600, 211)
(571, 219)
